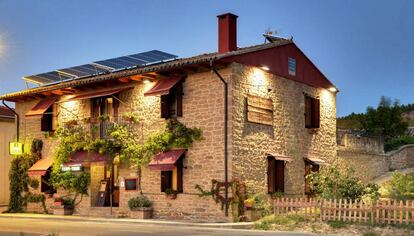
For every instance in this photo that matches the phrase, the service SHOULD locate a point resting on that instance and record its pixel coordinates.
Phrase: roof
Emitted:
(165, 66)
(203, 58)
(6, 113)
(166, 160)
(40, 167)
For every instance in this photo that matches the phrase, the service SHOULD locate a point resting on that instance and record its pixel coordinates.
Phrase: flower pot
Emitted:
(141, 213)
(171, 196)
(63, 210)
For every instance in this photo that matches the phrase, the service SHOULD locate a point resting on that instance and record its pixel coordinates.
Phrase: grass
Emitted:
(268, 222)
(336, 224)
(370, 233)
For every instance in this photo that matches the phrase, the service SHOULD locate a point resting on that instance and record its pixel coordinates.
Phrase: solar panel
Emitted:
(100, 67)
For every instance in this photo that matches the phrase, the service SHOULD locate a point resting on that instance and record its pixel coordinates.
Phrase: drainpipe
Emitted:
(226, 190)
(17, 120)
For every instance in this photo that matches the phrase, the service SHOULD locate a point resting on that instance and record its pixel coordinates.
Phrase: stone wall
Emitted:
(287, 136)
(366, 156)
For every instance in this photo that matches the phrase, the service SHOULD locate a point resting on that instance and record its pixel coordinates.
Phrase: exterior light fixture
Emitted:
(146, 81)
(333, 89)
(265, 68)
(16, 148)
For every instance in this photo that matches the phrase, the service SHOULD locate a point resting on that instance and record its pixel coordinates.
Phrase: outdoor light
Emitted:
(15, 148)
(146, 81)
(264, 67)
(333, 89)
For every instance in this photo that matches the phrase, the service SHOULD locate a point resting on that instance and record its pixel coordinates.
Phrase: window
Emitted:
(103, 107)
(292, 66)
(172, 103)
(309, 166)
(312, 114)
(48, 120)
(173, 179)
(131, 184)
(275, 175)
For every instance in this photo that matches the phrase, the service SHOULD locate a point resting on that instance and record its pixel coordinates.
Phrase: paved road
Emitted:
(16, 226)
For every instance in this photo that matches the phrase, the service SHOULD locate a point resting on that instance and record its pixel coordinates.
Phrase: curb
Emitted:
(242, 225)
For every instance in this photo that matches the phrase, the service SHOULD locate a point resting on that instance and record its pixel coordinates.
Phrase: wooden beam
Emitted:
(58, 92)
(124, 80)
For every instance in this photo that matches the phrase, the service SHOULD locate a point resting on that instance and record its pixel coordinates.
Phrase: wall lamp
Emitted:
(264, 67)
(333, 89)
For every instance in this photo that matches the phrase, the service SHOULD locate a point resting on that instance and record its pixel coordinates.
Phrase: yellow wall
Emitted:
(7, 133)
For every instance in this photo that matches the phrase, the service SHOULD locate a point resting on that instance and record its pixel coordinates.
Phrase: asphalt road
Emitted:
(17, 226)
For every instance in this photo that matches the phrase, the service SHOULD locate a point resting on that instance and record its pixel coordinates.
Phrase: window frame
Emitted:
(174, 98)
(312, 112)
(275, 181)
(136, 184)
(48, 119)
(178, 173)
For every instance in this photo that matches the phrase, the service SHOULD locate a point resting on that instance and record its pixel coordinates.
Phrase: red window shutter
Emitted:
(179, 97)
(315, 113)
(164, 107)
(307, 181)
(180, 175)
(280, 176)
(271, 174)
(315, 168)
(308, 112)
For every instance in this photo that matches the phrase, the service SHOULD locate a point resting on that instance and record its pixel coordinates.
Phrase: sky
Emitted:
(364, 47)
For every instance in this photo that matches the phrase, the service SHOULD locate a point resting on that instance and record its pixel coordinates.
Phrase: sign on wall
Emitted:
(16, 148)
(72, 168)
(259, 110)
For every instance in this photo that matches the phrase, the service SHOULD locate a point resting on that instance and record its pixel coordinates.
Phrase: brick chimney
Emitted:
(227, 32)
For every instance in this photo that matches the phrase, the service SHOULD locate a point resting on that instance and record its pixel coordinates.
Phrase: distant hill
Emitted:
(353, 120)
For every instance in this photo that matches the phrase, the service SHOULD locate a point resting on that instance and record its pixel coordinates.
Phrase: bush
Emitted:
(401, 187)
(397, 142)
(34, 183)
(339, 182)
(139, 201)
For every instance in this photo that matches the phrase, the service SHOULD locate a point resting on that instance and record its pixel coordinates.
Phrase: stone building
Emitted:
(280, 123)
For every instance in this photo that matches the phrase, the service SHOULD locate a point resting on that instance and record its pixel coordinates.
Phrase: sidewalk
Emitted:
(241, 225)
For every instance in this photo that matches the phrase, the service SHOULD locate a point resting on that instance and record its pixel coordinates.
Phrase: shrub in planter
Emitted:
(140, 207)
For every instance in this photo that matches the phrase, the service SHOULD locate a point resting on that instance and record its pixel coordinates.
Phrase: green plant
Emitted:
(170, 191)
(337, 224)
(400, 187)
(37, 198)
(19, 179)
(272, 221)
(277, 194)
(33, 183)
(131, 117)
(370, 233)
(139, 201)
(75, 184)
(337, 181)
(104, 117)
(396, 142)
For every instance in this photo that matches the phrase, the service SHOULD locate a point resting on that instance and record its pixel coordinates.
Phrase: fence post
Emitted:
(322, 212)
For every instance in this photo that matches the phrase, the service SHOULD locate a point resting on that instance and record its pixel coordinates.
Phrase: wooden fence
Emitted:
(388, 211)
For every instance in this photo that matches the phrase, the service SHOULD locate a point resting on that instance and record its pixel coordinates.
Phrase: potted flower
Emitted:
(140, 207)
(248, 203)
(170, 193)
(104, 117)
(130, 117)
(58, 201)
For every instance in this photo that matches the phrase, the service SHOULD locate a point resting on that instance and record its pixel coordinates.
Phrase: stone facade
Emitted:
(203, 108)
(287, 136)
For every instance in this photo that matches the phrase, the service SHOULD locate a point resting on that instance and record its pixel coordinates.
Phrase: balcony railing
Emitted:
(100, 128)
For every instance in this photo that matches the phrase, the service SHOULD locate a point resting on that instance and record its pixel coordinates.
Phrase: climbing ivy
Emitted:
(19, 179)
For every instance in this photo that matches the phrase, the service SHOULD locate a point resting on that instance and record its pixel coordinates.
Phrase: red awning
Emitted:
(41, 107)
(280, 157)
(85, 158)
(166, 160)
(95, 94)
(40, 167)
(316, 161)
(163, 86)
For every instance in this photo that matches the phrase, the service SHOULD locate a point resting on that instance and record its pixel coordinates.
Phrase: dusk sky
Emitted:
(366, 48)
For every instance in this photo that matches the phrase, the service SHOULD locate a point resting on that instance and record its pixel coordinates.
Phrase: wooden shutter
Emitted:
(307, 181)
(308, 112)
(164, 107)
(271, 174)
(315, 168)
(115, 104)
(166, 180)
(280, 176)
(180, 175)
(95, 110)
(179, 97)
(315, 113)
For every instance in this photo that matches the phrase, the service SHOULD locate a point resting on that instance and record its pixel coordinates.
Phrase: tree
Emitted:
(386, 120)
